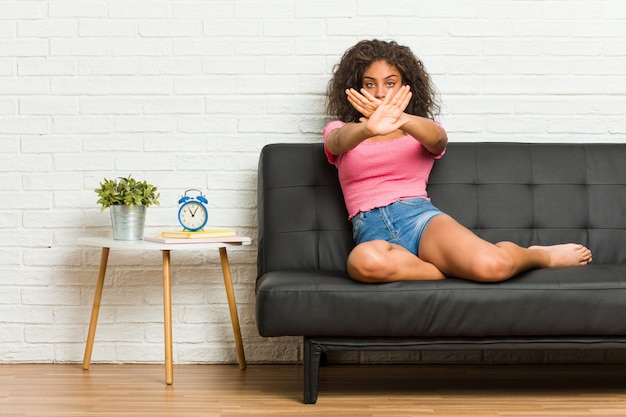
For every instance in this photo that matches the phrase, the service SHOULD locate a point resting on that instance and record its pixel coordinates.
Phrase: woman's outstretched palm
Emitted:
(381, 117)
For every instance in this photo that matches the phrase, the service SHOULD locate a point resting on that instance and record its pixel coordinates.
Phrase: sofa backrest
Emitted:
(525, 193)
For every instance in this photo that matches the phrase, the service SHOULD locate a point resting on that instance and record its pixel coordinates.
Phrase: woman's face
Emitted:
(380, 79)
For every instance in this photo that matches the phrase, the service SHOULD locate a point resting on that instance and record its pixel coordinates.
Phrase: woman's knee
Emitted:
(493, 266)
(368, 262)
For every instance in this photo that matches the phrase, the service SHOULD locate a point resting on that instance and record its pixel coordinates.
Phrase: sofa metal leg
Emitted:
(312, 355)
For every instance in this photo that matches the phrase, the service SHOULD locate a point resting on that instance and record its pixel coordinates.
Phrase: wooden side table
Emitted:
(107, 243)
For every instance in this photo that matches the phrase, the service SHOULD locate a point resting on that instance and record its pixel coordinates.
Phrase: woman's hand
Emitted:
(385, 116)
(364, 103)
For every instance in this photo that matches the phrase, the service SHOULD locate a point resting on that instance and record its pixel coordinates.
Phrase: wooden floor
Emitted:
(345, 390)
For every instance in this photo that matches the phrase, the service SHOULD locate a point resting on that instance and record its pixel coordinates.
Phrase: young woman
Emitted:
(384, 145)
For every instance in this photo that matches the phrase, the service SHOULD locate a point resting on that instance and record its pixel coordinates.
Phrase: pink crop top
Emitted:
(376, 174)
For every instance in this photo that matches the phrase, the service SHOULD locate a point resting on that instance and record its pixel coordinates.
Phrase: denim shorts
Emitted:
(402, 223)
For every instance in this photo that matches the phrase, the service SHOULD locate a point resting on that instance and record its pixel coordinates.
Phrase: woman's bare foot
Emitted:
(567, 254)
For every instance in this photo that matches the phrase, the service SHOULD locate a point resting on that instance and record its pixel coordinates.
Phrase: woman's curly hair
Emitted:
(349, 74)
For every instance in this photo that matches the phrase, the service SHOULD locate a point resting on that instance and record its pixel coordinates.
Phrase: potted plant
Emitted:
(128, 200)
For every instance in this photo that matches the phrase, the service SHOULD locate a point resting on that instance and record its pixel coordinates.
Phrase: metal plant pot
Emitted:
(128, 223)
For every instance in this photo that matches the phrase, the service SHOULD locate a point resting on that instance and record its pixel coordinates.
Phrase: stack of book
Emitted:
(200, 236)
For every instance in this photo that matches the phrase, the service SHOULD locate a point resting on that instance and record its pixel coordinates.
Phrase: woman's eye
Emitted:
(391, 84)
(370, 85)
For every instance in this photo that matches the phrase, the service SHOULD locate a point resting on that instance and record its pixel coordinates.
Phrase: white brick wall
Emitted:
(186, 93)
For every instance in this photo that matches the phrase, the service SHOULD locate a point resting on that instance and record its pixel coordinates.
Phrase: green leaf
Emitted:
(126, 191)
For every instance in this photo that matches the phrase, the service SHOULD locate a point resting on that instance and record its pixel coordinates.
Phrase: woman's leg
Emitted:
(381, 261)
(458, 252)
(448, 248)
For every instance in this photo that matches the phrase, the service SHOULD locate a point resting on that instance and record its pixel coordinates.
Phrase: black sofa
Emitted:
(525, 193)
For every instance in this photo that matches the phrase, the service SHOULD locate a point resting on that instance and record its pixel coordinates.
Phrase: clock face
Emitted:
(192, 216)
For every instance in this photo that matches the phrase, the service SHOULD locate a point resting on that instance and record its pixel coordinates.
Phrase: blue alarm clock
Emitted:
(193, 214)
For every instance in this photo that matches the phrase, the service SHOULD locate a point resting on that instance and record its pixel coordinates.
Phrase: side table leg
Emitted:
(95, 309)
(232, 305)
(167, 312)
